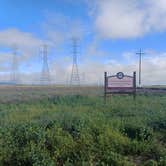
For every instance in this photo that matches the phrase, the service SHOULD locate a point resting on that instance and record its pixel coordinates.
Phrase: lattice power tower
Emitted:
(45, 75)
(14, 67)
(75, 78)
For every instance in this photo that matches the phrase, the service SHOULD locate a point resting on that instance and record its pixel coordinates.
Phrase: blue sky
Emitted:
(29, 15)
(109, 32)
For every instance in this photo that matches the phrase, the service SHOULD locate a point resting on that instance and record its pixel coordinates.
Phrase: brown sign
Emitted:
(120, 84)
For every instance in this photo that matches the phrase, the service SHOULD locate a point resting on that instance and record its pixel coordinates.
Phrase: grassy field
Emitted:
(47, 126)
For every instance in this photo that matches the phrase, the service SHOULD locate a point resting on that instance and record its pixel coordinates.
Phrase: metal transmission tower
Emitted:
(140, 53)
(75, 78)
(14, 67)
(45, 75)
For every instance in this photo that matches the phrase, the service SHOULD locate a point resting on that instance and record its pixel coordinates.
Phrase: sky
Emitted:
(109, 33)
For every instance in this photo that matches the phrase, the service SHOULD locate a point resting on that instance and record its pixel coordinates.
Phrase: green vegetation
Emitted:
(82, 130)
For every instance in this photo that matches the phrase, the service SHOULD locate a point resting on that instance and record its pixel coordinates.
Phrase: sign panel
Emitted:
(120, 84)
(114, 82)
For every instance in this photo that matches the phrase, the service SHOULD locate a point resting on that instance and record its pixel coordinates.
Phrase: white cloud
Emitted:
(59, 28)
(129, 18)
(27, 44)
(10, 37)
(5, 61)
(4, 56)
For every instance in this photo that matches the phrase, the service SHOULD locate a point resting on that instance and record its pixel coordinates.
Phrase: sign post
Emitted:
(105, 86)
(119, 84)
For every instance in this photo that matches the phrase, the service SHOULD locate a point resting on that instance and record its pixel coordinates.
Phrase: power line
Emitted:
(45, 74)
(75, 78)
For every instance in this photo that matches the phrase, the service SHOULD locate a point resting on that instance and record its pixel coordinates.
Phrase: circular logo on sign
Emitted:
(120, 75)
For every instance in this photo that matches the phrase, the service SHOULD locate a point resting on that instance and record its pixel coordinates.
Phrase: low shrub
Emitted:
(140, 133)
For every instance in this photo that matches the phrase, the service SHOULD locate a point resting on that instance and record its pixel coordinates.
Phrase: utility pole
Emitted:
(140, 53)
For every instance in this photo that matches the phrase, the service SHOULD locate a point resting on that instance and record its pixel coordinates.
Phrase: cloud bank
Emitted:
(123, 19)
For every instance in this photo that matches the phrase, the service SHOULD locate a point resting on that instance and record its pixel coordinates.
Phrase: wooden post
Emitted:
(134, 85)
(105, 86)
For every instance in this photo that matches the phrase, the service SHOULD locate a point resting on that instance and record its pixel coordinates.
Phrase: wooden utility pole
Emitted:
(140, 53)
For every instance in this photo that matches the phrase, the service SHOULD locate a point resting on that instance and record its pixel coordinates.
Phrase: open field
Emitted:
(47, 126)
(26, 93)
